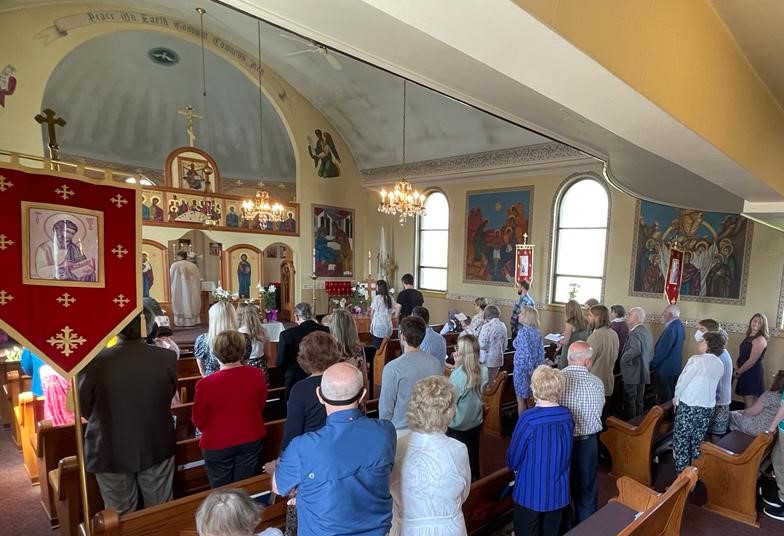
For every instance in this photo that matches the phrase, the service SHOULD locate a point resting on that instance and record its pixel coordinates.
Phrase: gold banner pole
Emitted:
(80, 456)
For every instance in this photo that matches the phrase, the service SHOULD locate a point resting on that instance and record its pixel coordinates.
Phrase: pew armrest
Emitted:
(635, 495)
(765, 442)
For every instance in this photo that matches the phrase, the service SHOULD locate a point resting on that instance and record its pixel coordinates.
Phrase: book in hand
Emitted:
(461, 317)
(554, 337)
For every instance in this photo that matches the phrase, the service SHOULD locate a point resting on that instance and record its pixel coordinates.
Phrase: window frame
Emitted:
(418, 240)
(555, 230)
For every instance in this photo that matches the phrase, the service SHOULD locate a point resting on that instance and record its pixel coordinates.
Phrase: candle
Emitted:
(314, 261)
(370, 265)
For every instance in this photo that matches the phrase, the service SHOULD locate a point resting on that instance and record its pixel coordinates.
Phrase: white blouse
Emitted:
(430, 481)
(698, 382)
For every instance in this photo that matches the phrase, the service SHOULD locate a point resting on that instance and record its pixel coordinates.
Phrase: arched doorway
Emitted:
(278, 268)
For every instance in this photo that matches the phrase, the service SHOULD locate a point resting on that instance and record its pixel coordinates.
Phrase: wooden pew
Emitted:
(387, 351)
(29, 411)
(180, 515)
(53, 444)
(631, 444)
(489, 500)
(187, 366)
(64, 482)
(5, 404)
(496, 402)
(451, 339)
(186, 387)
(730, 469)
(508, 364)
(640, 511)
(15, 383)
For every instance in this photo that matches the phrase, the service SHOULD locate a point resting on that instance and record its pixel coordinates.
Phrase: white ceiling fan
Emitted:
(314, 47)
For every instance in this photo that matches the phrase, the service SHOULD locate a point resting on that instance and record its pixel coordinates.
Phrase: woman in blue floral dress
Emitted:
(529, 354)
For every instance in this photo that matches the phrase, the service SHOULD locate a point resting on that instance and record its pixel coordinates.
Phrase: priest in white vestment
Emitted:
(185, 291)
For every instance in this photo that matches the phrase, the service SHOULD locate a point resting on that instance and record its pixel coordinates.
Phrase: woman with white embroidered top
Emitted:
(431, 477)
(695, 399)
(382, 311)
(250, 324)
(492, 342)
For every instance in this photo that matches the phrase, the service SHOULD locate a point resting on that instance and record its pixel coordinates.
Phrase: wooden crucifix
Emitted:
(49, 117)
(189, 117)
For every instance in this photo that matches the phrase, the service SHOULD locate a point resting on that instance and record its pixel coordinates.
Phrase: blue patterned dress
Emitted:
(529, 354)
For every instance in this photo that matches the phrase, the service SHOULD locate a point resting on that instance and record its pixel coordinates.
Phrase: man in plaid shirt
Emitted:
(583, 395)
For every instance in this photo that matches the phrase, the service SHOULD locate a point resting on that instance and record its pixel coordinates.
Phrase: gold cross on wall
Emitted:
(5, 184)
(65, 192)
(49, 117)
(4, 242)
(119, 251)
(121, 300)
(66, 300)
(118, 200)
(5, 297)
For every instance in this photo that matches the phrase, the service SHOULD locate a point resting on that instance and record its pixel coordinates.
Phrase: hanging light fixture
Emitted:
(261, 206)
(403, 200)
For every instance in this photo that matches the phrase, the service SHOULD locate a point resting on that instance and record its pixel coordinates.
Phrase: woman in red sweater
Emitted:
(228, 409)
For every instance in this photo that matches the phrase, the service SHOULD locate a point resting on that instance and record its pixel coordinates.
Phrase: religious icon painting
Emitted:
(155, 271)
(242, 270)
(63, 245)
(715, 254)
(333, 237)
(325, 156)
(234, 218)
(191, 170)
(215, 249)
(496, 222)
(153, 206)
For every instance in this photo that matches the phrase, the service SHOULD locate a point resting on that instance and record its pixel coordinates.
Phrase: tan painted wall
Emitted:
(764, 276)
(680, 55)
(35, 61)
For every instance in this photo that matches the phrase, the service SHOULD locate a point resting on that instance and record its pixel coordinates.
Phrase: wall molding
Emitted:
(489, 164)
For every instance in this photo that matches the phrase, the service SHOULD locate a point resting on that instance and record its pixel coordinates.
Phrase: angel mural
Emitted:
(714, 246)
(324, 154)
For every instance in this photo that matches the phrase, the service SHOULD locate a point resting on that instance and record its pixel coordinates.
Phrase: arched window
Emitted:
(580, 241)
(433, 242)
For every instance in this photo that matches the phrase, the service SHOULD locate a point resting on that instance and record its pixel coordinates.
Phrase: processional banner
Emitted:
(70, 248)
(524, 263)
(672, 288)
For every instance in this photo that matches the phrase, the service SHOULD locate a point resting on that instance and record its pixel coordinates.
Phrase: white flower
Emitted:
(343, 302)
(271, 289)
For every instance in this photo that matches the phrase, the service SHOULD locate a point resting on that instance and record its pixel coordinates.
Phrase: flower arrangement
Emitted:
(267, 296)
(574, 288)
(222, 294)
(357, 302)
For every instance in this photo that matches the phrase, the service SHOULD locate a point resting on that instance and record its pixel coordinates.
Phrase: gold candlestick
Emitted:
(313, 278)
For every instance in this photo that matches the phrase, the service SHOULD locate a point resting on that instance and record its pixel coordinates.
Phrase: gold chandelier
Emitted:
(263, 208)
(403, 200)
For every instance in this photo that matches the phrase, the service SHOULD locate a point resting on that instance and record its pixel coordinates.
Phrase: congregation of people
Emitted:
(411, 468)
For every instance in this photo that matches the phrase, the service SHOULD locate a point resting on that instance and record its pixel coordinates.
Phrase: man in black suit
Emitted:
(125, 393)
(288, 344)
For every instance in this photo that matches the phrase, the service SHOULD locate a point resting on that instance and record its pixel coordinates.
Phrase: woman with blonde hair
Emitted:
(750, 373)
(469, 379)
(529, 354)
(352, 351)
(540, 453)
(575, 329)
(250, 324)
(604, 342)
(222, 317)
(424, 504)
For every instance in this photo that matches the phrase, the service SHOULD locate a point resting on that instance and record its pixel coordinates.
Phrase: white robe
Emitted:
(185, 293)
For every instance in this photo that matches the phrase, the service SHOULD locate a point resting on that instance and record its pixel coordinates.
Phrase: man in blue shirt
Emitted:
(434, 343)
(667, 357)
(342, 471)
(30, 365)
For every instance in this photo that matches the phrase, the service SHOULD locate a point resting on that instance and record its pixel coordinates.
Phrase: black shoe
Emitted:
(776, 512)
(772, 501)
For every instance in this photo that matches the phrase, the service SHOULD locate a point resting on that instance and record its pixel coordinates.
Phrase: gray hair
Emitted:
(580, 354)
(640, 312)
(227, 512)
(674, 310)
(338, 383)
(303, 310)
(492, 311)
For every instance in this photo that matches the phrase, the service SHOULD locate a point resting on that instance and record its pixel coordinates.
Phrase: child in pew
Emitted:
(230, 512)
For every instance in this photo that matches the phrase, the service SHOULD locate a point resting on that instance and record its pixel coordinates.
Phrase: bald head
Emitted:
(580, 354)
(340, 382)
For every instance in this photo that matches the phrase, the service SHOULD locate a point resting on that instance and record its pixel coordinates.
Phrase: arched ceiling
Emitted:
(362, 102)
(121, 106)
